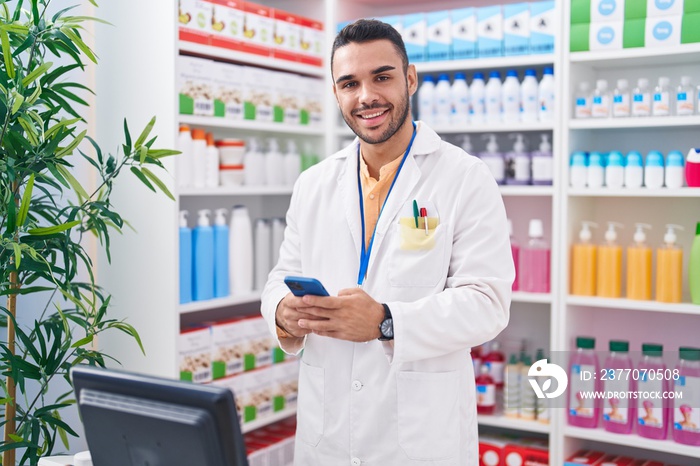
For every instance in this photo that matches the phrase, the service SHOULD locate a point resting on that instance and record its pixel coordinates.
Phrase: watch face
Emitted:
(387, 328)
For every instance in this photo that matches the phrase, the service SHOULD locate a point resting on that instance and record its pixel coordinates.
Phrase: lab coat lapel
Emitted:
(347, 183)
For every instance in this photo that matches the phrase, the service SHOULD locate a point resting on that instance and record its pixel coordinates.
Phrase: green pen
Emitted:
(416, 213)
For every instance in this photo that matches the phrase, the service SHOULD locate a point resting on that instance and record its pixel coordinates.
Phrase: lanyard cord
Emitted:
(366, 251)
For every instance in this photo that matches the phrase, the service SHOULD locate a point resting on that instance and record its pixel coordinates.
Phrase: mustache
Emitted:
(369, 107)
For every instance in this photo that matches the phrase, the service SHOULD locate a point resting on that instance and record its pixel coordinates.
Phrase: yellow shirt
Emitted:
(375, 191)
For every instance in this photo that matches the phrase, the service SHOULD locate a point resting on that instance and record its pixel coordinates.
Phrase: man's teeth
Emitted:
(373, 115)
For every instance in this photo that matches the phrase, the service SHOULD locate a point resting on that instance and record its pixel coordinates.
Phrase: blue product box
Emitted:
(463, 33)
(415, 36)
(439, 35)
(489, 26)
(516, 29)
(542, 27)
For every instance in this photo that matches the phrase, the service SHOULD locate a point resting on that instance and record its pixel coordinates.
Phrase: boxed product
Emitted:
(227, 24)
(257, 29)
(394, 21)
(489, 31)
(580, 11)
(647, 463)
(439, 32)
(607, 10)
(195, 86)
(312, 39)
(254, 392)
(659, 8)
(312, 105)
(463, 33)
(287, 106)
(286, 35)
(491, 450)
(614, 460)
(516, 29)
(532, 455)
(606, 36)
(542, 27)
(194, 354)
(227, 84)
(228, 343)
(581, 457)
(633, 33)
(635, 9)
(285, 385)
(259, 344)
(663, 31)
(690, 29)
(194, 20)
(257, 94)
(415, 36)
(690, 6)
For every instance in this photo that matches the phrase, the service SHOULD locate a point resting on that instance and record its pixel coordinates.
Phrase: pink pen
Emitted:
(424, 214)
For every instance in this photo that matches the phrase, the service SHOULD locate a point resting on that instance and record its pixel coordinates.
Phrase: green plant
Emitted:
(45, 214)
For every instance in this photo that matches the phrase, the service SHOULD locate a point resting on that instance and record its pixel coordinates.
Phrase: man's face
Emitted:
(372, 91)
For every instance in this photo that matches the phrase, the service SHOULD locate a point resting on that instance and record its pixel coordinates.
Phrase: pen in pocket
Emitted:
(424, 214)
(415, 212)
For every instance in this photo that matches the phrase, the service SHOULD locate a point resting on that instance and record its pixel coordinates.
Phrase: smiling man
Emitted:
(409, 235)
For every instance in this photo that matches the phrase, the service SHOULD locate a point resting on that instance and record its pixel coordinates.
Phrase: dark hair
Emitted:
(366, 30)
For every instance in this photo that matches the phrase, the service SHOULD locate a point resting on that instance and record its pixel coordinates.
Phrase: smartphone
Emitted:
(301, 286)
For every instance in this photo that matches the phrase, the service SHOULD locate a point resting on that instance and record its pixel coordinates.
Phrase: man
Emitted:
(386, 377)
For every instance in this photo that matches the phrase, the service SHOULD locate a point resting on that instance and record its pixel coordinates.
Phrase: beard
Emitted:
(395, 124)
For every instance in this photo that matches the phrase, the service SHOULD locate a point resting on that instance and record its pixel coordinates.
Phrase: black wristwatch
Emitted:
(386, 328)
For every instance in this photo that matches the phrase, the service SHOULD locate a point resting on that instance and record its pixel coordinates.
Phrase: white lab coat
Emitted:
(410, 402)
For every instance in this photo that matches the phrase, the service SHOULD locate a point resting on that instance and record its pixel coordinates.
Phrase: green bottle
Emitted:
(694, 268)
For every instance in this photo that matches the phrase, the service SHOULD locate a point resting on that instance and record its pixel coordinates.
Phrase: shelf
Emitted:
(503, 422)
(635, 123)
(258, 423)
(524, 297)
(526, 190)
(687, 53)
(515, 127)
(250, 59)
(217, 303)
(249, 125)
(633, 192)
(665, 446)
(484, 63)
(621, 303)
(238, 191)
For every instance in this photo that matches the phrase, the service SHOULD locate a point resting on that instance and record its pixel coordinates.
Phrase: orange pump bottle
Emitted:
(669, 268)
(584, 256)
(609, 282)
(639, 265)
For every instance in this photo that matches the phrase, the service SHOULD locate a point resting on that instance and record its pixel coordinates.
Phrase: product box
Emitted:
(532, 455)
(286, 36)
(285, 385)
(257, 97)
(260, 343)
(288, 106)
(587, 457)
(194, 354)
(633, 33)
(194, 84)
(489, 31)
(227, 24)
(542, 27)
(228, 344)
(415, 37)
(258, 25)
(312, 39)
(635, 9)
(607, 10)
(491, 450)
(463, 33)
(660, 8)
(614, 460)
(395, 21)
(227, 86)
(194, 20)
(663, 31)
(439, 35)
(516, 29)
(606, 36)
(255, 394)
(690, 28)
(580, 11)
(691, 6)
(312, 105)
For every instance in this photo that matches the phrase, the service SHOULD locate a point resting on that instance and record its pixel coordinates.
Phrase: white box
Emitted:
(463, 33)
(227, 83)
(195, 15)
(285, 385)
(312, 40)
(195, 86)
(255, 394)
(228, 348)
(489, 31)
(516, 29)
(227, 23)
(257, 98)
(258, 26)
(287, 35)
(658, 8)
(290, 98)
(194, 354)
(664, 31)
(608, 10)
(415, 36)
(542, 27)
(261, 341)
(606, 36)
(439, 30)
(312, 107)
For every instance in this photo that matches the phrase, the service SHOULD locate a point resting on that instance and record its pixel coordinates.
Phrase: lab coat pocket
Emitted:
(428, 414)
(310, 404)
(417, 259)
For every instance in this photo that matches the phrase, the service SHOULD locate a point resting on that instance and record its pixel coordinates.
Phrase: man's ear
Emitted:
(412, 79)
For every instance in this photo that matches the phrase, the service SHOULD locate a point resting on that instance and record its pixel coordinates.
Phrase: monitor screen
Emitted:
(139, 420)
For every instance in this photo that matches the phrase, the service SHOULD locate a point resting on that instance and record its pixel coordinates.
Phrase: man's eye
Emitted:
(382, 78)
(349, 84)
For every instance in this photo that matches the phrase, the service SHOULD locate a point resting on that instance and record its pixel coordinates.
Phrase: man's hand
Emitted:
(289, 311)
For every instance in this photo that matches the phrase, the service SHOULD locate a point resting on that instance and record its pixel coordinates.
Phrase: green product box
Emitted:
(278, 355)
(633, 33)
(580, 37)
(690, 28)
(278, 403)
(636, 9)
(580, 11)
(691, 6)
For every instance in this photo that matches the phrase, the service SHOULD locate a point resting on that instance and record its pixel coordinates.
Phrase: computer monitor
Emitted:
(139, 420)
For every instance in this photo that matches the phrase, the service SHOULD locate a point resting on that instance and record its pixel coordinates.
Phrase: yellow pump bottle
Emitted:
(669, 268)
(609, 283)
(583, 263)
(639, 265)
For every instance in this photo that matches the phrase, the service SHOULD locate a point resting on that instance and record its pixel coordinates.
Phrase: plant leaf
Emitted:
(78, 42)
(18, 254)
(157, 181)
(158, 153)
(141, 177)
(72, 181)
(26, 197)
(40, 231)
(38, 71)
(17, 102)
(144, 134)
(83, 341)
(69, 148)
(6, 54)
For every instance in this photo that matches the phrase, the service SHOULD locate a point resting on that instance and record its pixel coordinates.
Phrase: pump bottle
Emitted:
(639, 265)
(274, 165)
(494, 159)
(184, 160)
(292, 164)
(543, 163)
(241, 251)
(583, 263)
(535, 261)
(185, 259)
(609, 282)
(518, 163)
(221, 267)
(694, 267)
(203, 253)
(669, 268)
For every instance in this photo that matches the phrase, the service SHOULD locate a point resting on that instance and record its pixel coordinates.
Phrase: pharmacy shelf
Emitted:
(524, 297)
(636, 305)
(258, 423)
(218, 53)
(249, 125)
(197, 306)
(538, 191)
(484, 63)
(636, 123)
(633, 192)
(503, 422)
(687, 53)
(600, 435)
(237, 191)
(516, 127)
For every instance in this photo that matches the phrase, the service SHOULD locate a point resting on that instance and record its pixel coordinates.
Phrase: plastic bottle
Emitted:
(578, 170)
(621, 99)
(543, 163)
(477, 104)
(510, 96)
(639, 265)
(686, 413)
(609, 283)
(694, 267)
(292, 164)
(443, 101)
(619, 413)
(582, 101)
(494, 159)
(685, 97)
(661, 105)
(459, 94)
(674, 176)
(241, 251)
(542, 405)
(278, 226)
(221, 255)
(426, 100)
(184, 160)
(185, 246)
(495, 361)
(515, 251)
(274, 165)
(511, 388)
(199, 158)
(485, 392)
(584, 262)
(546, 95)
(654, 170)
(615, 170)
(518, 163)
(596, 170)
(263, 248)
(583, 412)
(466, 144)
(211, 170)
(309, 157)
(652, 413)
(494, 106)
(253, 164)
(601, 100)
(669, 268)
(476, 359)
(203, 257)
(692, 168)
(529, 97)
(641, 99)
(528, 399)
(534, 261)
(634, 171)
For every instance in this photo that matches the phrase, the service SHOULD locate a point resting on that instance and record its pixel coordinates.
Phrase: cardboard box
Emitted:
(312, 40)
(663, 32)
(532, 455)
(227, 24)
(580, 12)
(415, 36)
(228, 346)
(635, 9)
(439, 30)
(606, 36)
(579, 37)
(660, 8)
(691, 6)
(195, 93)
(489, 31)
(614, 460)
(543, 23)
(516, 29)
(312, 106)
(255, 394)
(285, 385)
(227, 86)
(690, 28)
(286, 36)
(491, 451)
(463, 33)
(194, 20)
(583, 457)
(257, 96)
(194, 355)
(607, 10)
(258, 26)
(633, 33)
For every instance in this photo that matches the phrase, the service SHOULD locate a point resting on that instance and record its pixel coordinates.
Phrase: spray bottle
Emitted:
(203, 253)
(639, 265)
(518, 163)
(185, 259)
(494, 159)
(669, 268)
(583, 262)
(609, 283)
(221, 267)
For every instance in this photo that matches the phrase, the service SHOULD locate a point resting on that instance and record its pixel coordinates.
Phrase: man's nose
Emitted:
(368, 94)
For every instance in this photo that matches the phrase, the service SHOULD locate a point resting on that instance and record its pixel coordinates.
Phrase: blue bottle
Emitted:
(634, 170)
(203, 252)
(221, 237)
(185, 259)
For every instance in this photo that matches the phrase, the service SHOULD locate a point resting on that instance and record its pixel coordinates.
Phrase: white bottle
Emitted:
(621, 99)
(426, 100)
(529, 97)
(274, 165)
(615, 170)
(546, 95)
(477, 104)
(641, 98)
(675, 171)
(578, 170)
(510, 97)
(292, 164)
(211, 175)
(685, 97)
(443, 101)
(278, 226)
(241, 251)
(601, 100)
(467, 144)
(654, 170)
(543, 163)
(494, 108)
(263, 248)
(596, 171)
(253, 165)
(459, 93)
(199, 158)
(494, 159)
(661, 105)
(518, 163)
(634, 170)
(184, 160)
(582, 101)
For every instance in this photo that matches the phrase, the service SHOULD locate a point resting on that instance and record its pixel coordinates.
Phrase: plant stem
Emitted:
(8, 458)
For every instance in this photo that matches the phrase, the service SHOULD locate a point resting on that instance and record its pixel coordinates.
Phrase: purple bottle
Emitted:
(686, 411)
(583, 368)
(619, 412)
(652, 413)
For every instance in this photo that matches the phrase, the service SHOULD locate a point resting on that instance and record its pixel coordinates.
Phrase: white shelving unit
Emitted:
(249, 125)
(258, 423)
(642, 123)
(503, 422)
(218, 303)
(238, 191)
